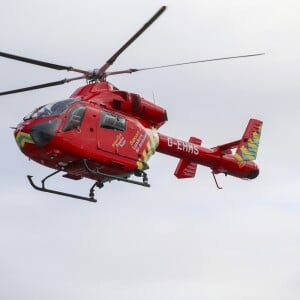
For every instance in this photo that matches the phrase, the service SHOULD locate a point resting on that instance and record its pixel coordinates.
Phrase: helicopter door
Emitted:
(117, 135)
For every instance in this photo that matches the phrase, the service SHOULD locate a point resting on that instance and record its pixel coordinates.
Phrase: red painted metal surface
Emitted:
(118, 134)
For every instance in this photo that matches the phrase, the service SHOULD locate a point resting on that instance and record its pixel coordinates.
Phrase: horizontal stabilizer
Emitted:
(185, 168)
(227, 147)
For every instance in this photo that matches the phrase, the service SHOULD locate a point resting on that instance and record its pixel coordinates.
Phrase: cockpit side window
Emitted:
(75, 118)
(112, 121)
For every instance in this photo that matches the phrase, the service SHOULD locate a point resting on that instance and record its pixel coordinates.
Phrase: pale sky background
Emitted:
(179, 239)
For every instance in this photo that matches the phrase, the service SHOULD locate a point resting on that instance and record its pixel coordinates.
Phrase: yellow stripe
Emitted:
(149, 150)
(145, 155)
(238, 157)
(148, 147)
(246, 152)
(252, 145)
(140, 165)
(23, 138)
(256, 136)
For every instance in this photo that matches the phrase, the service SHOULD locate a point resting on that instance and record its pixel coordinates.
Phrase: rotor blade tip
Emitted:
(162, 9)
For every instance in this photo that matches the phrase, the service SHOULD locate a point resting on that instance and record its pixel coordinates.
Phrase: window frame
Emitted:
(112, 121)
(68, 126)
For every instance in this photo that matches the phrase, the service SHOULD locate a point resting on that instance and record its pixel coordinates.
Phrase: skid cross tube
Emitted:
(44, 189)
(114, 177)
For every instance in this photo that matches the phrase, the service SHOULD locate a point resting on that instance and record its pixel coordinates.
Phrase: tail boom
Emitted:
(214, 158)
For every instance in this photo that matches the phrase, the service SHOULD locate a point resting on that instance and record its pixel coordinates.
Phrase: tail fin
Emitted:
(248, 146)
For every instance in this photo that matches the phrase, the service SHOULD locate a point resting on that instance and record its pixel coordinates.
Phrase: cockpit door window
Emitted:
(113, 121)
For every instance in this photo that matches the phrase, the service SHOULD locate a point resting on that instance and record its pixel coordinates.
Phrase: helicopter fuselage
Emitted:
(105, 134)
(114, 130)
(116, 133)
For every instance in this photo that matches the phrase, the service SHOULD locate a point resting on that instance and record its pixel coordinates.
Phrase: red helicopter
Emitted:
(104, 134)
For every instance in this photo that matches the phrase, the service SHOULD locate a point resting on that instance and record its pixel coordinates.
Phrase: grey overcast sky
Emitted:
(179, 239)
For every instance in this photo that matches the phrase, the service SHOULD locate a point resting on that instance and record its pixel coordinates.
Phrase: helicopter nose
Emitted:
(22, 137)
(43, 132)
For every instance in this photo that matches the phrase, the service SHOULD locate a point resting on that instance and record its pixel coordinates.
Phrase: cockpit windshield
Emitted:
(51, 109)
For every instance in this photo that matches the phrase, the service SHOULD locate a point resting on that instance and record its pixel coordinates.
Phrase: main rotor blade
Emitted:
(42, 63)
(194, 62)
(111, 60)
(129, 71)
(41, 86)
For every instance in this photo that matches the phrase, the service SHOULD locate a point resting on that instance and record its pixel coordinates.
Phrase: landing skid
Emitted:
(44, 189)
(99, 184)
